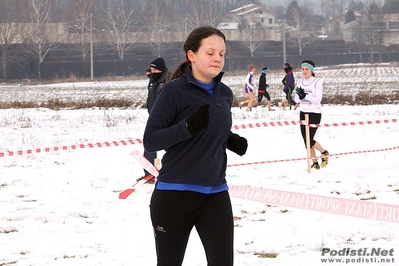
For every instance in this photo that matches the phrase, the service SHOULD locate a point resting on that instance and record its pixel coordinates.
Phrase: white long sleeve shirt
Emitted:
(313, 87)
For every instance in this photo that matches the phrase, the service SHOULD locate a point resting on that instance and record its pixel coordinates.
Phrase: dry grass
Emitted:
(361, 98)
(57, 104)
(265, 255)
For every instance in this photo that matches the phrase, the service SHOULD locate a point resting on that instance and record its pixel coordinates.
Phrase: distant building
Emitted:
(251, 13)
(334, 28)
(385, 29)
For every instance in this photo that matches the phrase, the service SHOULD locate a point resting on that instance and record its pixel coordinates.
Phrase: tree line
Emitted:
(121, 17)
(153, 17)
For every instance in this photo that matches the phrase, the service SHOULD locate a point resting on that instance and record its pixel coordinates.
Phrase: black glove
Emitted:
(301, 93)
(199, 120)
(237, 144)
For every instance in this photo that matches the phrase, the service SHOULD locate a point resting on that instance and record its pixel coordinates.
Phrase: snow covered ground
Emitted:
(338, 80)
(62, 208)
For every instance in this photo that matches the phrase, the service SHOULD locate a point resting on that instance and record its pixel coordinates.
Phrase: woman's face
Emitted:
(306, 72)
(208, 61)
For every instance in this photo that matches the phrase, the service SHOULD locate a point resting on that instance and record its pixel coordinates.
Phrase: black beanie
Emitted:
(287, 67)
(159, 64)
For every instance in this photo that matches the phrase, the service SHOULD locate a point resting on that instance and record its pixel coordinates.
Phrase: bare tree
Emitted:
(302, 35)
(206, 12)
(383, 33)
(156, 20)
(331, 8)
(370, 30)
(359, 30)
(121, 23)
(252, 35)
(358, 33)
(213, 13)
(379, 22)
(38, 13)
(81, 12)
(194, 15)
(9, 34)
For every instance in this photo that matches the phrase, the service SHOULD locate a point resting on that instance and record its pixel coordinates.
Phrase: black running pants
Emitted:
(175, 213)
(314, 118)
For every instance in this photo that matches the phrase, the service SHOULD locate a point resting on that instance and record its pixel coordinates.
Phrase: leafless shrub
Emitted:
(361, 98)
(57, 104)
(110, 121)
(339, 99)
(369, 198)
(54, 104)
(130, 118)
(8, 230)
(108, 103)
(266, 255)
(24, 121)
(365, 98)
(18, 105)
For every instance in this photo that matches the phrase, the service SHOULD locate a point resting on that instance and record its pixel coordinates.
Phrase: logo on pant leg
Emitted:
(160, 229)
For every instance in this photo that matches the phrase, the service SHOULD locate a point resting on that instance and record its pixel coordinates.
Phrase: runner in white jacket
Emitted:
(309, 93)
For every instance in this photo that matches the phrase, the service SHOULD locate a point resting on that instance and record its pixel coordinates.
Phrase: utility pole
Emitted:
(91, 48)
(371, 34)
(284, 46)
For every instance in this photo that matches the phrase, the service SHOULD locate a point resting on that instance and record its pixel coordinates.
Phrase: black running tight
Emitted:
(175, 213)
(314, 118)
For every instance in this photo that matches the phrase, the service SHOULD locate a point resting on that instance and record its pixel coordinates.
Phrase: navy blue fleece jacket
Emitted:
(200, 159)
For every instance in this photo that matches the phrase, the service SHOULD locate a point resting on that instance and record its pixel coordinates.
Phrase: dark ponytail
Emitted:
(180, 70)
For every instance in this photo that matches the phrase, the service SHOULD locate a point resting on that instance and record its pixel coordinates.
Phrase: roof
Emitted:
(357, 14)
(250, 8)
(247, 11)
(240, 8)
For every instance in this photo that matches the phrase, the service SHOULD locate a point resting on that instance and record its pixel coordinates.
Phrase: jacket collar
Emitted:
(191, 79)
